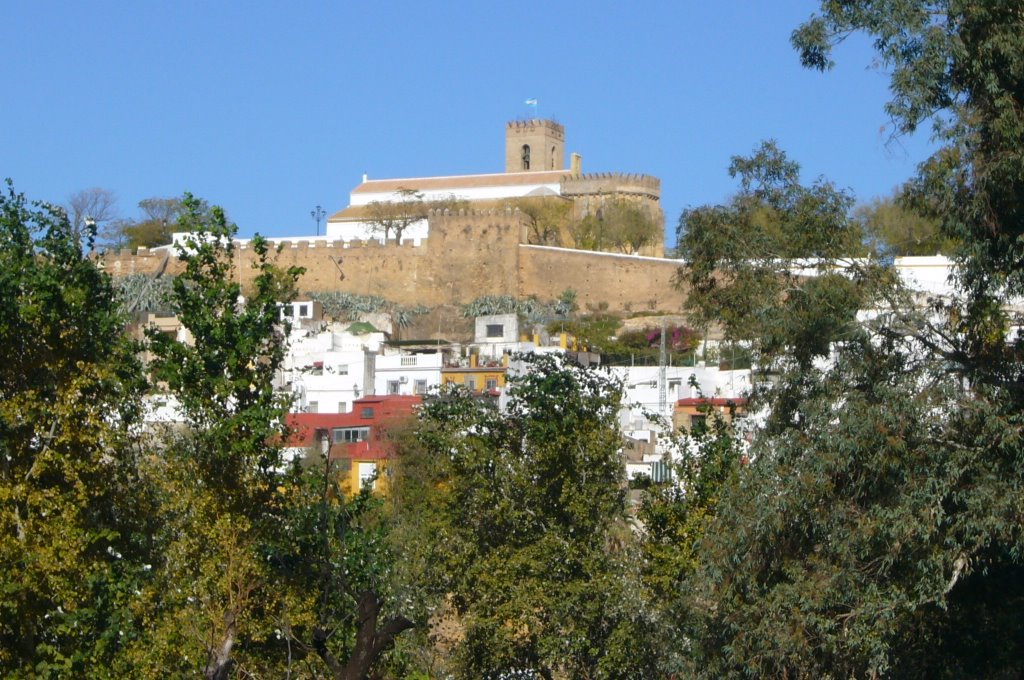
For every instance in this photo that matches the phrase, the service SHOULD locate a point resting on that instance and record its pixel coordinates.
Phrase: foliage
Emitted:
(896, 228)
(529, 308)
(352, 306)
(514, 526)
(219, 481)
(774, 267)
(675, 517)
(387, 217)
(69, 390)
(879, 524)
(160, 218)
(958, 64)
(619, 224)
(547, 219)
(144, 292)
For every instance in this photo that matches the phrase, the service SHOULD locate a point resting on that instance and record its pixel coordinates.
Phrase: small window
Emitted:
(394, 386)
(419, 387)
(553, 152)
(491, 385)
(367, 412)
(470, 383)
(495, 330)
(409, 361)
(698, 423)
(526, 156)
(304, 312)
(312, 407)
(341, 369)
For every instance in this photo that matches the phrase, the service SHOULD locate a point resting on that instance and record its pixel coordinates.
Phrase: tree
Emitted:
(514, 523)
(775, 267)
(387, 217)
(618, 225)
(212, 594)
(879, 523)
(897, 229)
(69, 389)
(955, 64)
(95, 206)
(546, 219)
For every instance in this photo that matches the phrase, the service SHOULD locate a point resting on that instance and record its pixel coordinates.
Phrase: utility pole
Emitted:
(317, 214)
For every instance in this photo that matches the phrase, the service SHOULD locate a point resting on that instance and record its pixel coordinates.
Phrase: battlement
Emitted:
(611, 183)
(531, 123)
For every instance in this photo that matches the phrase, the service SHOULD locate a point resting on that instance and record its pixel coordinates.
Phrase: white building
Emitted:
(407, 373)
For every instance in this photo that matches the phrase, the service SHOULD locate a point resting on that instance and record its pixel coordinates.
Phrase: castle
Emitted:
(473, 239)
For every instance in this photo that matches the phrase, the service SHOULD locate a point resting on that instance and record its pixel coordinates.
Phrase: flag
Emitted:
(531, 102)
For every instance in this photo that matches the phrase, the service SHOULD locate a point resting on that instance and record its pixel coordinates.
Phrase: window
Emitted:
(526, 156)
(553, 153)
(350, 435)
(367, 412)
(312, 407)
(303, 312)
(470, 383)
(698, 423)
(408, 361)
(341, 369)
(491, 384)
(394, 386)
(367, 474)
(419, 387)
(495, 330)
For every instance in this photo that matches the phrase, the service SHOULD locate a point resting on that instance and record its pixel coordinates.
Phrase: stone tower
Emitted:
(534, 146)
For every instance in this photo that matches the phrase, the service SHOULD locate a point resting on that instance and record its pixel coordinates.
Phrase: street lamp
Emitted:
(317, 214)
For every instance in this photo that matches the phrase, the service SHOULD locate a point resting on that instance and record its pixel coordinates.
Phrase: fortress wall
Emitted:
(472, 254)
(468, 254)
(625, 283)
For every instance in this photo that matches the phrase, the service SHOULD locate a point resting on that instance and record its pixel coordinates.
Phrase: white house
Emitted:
(407, 373)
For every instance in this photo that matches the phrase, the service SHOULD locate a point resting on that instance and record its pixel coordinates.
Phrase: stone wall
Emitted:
(467, 255)
(622, 282)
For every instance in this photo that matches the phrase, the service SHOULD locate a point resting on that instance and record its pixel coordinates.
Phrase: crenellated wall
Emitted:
(468, 254)
(604, 183)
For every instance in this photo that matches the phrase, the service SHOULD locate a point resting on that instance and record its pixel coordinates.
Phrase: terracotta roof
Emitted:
(498, 179)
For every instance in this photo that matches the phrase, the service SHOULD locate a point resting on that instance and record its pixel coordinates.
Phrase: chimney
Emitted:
(576, 164)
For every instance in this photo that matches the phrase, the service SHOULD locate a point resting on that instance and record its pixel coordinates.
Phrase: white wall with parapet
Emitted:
(407, 373)
(475, 193)
(364, 231)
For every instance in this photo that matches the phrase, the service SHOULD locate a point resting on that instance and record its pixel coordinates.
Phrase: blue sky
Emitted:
(271, 108)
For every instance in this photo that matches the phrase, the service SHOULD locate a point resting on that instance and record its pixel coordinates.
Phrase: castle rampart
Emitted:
(607, 183)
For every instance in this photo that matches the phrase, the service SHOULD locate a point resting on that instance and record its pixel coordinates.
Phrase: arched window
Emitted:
(526, 156)
(553, 159)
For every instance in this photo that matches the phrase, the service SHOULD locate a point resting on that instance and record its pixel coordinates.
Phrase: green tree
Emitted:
(546, 219)
(620, 225)
(879, 524)
(957, 65)
(775, 267)
(69, 390)
(897, 229)
(514, 528)
(212, 596)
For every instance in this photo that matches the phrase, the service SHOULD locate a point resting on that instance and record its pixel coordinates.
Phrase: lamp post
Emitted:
(317, 214)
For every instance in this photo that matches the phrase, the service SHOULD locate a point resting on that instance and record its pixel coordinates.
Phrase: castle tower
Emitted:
(534, 146)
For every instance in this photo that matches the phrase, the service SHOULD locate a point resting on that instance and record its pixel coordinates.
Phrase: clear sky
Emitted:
(272, 108)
